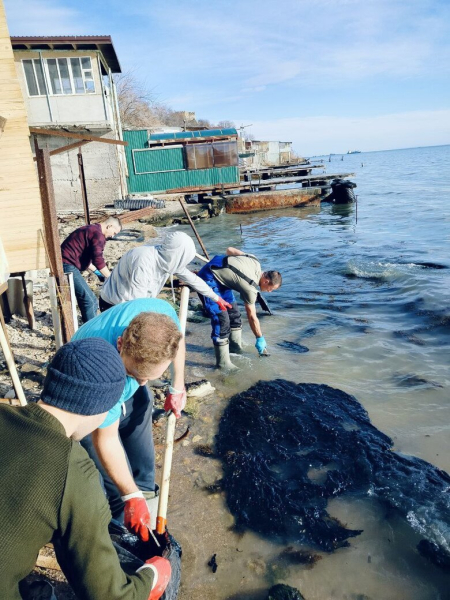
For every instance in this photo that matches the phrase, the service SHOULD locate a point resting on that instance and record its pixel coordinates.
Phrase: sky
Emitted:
(328, 75)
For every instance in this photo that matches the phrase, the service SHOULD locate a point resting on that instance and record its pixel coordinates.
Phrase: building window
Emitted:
(199, 156)
(65, 76)
(207, 156)
(34, 77)
(225, 154)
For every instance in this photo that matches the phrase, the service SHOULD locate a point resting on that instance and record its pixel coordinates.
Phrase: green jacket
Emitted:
(50, 491)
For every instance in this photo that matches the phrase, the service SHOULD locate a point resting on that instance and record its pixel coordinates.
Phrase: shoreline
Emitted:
(195, 478)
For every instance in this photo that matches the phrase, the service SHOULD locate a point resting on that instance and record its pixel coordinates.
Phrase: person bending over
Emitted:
(146, 334)
(142, 272)
(83, 250)
(242, 273)
(50, 489)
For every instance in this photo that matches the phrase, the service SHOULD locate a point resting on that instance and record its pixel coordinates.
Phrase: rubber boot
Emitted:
(236, 341)
(223, 357)
(152, 499)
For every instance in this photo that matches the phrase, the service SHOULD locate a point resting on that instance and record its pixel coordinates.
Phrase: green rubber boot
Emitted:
(236, 341)
(223, 357)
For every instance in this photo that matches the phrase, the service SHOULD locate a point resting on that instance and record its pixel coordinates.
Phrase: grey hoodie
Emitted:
(143, 271)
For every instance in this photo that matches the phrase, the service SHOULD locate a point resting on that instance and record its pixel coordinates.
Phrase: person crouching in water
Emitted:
(50, 489)
(143, 271)
(242, 273)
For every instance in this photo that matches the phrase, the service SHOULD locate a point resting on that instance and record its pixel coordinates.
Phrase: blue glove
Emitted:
(99, 275)
(260, 344)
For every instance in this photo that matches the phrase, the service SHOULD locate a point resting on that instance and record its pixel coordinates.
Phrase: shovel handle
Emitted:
(161, 519)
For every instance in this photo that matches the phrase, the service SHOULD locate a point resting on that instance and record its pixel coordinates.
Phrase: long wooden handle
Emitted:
(161, 520)
(200, 257)
(9, 358)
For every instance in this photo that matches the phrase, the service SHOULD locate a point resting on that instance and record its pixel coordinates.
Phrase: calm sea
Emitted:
(366, 289)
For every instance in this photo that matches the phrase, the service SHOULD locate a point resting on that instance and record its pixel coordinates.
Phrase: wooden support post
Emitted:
(84, 196)
(52, 243)
(28, 304)
(55, 313)
(183, 206)
(73, 299)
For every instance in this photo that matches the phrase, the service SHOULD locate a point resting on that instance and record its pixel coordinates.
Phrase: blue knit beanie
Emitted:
(86, 377)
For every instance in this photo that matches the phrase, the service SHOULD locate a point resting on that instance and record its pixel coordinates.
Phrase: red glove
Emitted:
(162, 571)
(175, 401)
(222, 304)
(137, 518)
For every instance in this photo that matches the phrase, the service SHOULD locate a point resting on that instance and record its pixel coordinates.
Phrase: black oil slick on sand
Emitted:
(288, 449)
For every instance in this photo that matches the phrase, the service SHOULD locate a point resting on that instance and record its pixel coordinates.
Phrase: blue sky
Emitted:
(329, 75)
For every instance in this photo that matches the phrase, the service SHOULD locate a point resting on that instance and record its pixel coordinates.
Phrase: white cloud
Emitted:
(44, 17)
(326, 134)
(262, 43)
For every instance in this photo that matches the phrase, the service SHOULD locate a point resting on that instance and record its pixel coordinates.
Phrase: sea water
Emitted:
(366, 289)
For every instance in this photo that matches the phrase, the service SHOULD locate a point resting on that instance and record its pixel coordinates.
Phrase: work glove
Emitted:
(260, 344)
(99, 275)
(175, 401)
(222, 304)
(136, 516)
(162, 571)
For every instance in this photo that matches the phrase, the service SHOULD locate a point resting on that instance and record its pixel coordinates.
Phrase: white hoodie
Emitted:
(143, 271)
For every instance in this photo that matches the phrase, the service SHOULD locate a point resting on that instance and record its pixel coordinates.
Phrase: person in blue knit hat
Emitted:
(50, 488)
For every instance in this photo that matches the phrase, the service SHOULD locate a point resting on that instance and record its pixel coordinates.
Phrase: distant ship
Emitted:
(354, 152)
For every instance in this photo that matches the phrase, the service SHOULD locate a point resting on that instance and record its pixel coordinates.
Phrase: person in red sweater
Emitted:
(83, 250)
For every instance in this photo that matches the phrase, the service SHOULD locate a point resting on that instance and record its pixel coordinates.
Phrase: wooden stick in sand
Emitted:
(161, 520)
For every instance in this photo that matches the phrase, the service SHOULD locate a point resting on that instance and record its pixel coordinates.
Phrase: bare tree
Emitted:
(139, 109)
(136, 102)
(226, 124)
(205, 123)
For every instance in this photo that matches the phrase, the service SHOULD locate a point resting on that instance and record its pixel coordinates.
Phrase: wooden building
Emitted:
(20, 202)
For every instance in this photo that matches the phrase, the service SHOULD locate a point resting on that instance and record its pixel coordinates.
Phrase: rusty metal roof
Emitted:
(103, 43)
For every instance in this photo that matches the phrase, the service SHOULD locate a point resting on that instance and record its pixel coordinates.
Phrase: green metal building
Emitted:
(186, 161)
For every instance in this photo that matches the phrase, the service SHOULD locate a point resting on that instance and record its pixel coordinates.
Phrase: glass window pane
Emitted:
(89, 86)
(31, 80)
(40, 76)
(203, 156)
(54, 76)
(86, 63)
(225, 154)
(77, 76)
(190, 157)
(65, 77)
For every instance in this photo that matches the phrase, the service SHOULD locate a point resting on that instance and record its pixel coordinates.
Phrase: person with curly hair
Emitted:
(146, 333)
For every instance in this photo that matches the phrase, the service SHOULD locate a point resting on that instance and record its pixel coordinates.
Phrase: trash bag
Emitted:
(132, 553)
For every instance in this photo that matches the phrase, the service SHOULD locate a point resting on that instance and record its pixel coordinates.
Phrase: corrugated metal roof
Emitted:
(202, 133)
(103, 43)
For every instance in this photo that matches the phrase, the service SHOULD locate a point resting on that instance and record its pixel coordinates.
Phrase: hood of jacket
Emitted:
(175, 253)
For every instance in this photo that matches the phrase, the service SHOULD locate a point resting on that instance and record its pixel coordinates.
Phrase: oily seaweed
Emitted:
(288, 448)
(284, 592)
(293, 346)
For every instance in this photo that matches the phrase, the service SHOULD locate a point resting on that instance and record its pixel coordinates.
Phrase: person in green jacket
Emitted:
(50, 488)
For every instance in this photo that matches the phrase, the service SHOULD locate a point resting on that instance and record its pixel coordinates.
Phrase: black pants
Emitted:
(103, 305)
(135, 432)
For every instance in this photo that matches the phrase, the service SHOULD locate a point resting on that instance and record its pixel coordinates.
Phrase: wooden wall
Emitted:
(20, 202)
